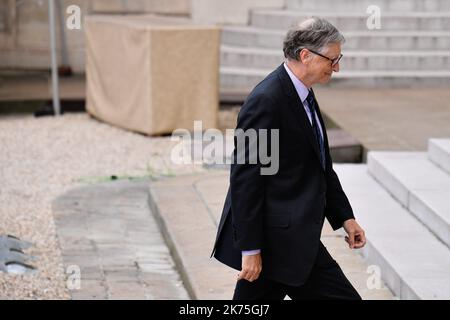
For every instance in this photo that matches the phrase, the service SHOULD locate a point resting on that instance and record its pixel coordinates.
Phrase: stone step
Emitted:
(362, 5)
(244, 79)
(413, 263)
(439, 153)
(253, 57)
(346, 21)
(418, 184)
(243, 36)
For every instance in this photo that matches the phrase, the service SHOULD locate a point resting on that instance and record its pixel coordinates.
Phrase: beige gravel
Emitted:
(40, 159)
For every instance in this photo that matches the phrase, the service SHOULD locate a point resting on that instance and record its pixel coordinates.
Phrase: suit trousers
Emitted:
(326, 281)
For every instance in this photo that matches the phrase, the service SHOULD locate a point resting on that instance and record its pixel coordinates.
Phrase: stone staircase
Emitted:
(401, 199)
(412, 48)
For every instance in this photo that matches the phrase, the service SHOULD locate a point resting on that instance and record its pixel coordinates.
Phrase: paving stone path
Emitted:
(109, 237)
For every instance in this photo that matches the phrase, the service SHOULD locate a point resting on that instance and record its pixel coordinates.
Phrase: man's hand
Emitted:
(251, 267)
(356, 238)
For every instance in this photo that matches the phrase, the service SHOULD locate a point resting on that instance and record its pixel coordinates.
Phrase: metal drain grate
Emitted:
(12, 258)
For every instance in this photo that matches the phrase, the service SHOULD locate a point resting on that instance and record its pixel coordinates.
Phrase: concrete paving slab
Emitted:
(389, 119)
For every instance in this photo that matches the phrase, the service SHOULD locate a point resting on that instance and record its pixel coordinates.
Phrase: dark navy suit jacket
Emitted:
(281, 214)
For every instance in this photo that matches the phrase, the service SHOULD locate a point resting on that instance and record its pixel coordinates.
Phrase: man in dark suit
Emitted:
(271, 223)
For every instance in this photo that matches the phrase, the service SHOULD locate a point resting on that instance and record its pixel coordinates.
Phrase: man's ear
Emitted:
(304, 56)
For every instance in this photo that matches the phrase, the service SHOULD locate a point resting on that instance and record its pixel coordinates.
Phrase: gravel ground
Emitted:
(40, 159)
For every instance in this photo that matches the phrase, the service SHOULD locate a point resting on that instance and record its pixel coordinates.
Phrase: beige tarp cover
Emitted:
(151, 74)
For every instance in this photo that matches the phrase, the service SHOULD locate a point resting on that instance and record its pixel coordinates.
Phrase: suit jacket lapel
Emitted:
(297, 107)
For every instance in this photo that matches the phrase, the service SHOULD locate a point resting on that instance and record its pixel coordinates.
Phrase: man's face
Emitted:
(320, 68)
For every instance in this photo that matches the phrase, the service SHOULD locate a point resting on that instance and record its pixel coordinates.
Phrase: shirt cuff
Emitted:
(251, 252)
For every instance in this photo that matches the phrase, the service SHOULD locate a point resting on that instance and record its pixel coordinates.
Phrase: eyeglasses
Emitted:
(333, 61)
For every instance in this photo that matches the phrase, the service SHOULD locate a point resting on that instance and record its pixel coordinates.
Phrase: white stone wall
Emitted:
(177, 7)
(228, 11)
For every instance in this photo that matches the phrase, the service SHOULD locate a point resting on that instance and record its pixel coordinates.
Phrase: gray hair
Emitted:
(314, 33)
